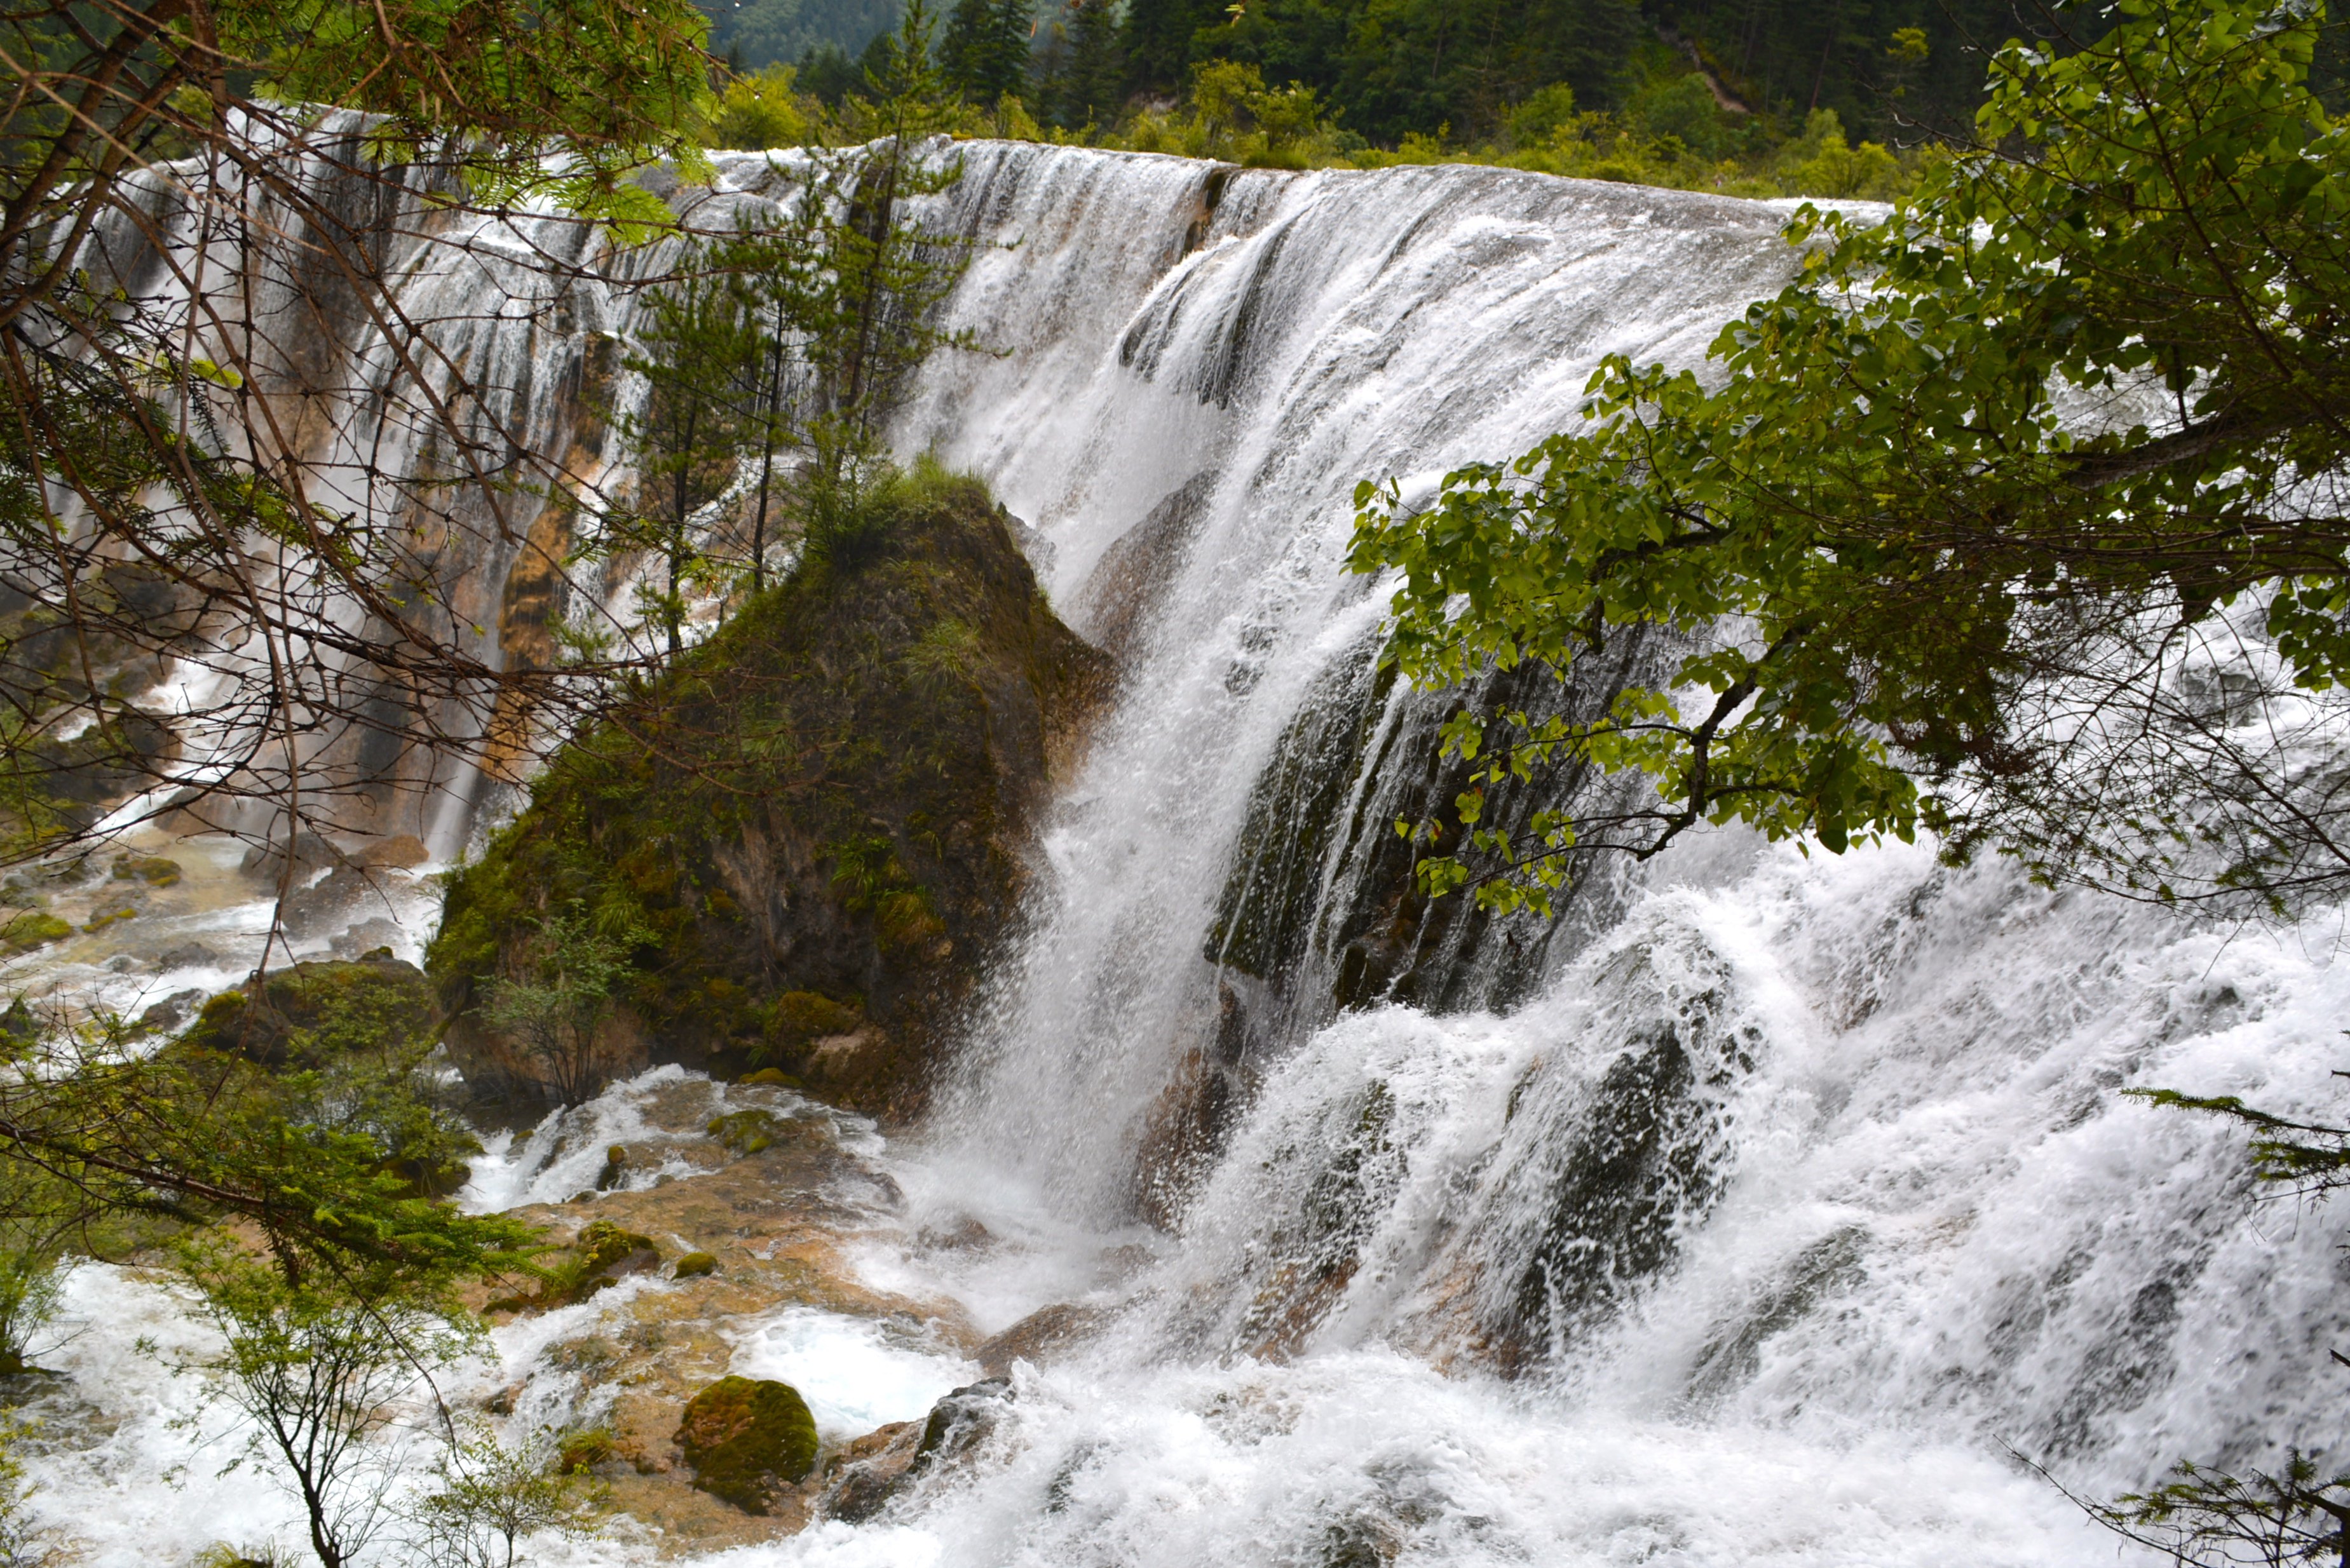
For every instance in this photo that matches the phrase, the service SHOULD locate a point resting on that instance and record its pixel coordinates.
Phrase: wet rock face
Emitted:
(747, 1439)
(815, 825)
(871, 1472)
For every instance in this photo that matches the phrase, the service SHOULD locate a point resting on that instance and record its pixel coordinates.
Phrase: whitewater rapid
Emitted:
(1767, 1219)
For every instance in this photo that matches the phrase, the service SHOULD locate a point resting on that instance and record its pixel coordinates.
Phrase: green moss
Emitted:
(693, 1265)
(603, 1252)
(314, 1013)
(152, 870)
(32, 929)
(798, 1017)
(773, 1076)
(583, 1449)
(747, 1132)
(747, 1440)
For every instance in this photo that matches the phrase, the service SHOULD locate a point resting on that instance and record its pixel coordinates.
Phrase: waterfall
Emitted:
(1758, 1209)
(1787, 1171)
(1202, 366)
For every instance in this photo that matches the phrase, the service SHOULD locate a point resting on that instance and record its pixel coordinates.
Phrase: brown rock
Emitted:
(1039, 1337)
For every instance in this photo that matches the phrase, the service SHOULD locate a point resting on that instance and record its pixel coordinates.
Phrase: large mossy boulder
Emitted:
(311, 1014)
(811, 826)
(747, 1439)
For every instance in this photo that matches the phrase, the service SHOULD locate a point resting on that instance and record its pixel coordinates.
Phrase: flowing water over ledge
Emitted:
(1749, 1217)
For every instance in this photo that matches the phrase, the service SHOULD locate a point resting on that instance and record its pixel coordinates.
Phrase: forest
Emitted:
(1726, 83)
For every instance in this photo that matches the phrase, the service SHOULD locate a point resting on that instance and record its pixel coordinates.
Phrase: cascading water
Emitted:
(1788, 1190)
(1746, 1217)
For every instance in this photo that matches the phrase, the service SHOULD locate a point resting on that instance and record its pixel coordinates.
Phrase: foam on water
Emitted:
(854, 1375)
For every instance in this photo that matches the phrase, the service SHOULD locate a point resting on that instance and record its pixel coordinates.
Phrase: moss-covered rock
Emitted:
(814, 822)
(604, 1255)
(747, 1439)
(313, 1013)
(153, 870)
(747, 1132)
(33, 929)
(693, 1265)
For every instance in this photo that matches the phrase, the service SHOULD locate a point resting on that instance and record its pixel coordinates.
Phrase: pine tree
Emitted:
(985, 52)
(1092, 90)
(1155, 38)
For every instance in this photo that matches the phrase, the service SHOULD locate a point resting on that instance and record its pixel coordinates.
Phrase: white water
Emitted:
(1878, 1210)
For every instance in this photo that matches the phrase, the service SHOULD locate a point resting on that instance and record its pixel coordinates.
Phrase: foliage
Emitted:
(486, 1496)
(31, 1285)
(328, 1165)
(1892, 561)
(318, 1365)
(699, 352)
(2310, 1157)
(760, 110)
(2204, 1517)
(756, 34)
(572, 967)
(983, 52)
(24, 1542)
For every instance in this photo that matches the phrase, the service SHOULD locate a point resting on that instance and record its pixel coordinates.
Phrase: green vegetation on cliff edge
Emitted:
(809, 822)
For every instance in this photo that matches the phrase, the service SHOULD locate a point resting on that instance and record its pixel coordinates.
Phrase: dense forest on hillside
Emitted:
(1724, 78)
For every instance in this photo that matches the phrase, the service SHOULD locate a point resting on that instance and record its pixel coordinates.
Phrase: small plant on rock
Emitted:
(555, 1010)
(486, 1497)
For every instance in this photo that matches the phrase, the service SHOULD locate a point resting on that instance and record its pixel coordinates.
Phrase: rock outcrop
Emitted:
(308, 1015)
(810, 828)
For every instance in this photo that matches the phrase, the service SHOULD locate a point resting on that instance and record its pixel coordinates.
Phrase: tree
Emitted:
(1156, 38)
(700, 354)
(488, 1497)
(984, 50)
(318, 1366)
(853, 281)
(1092, 82)
(557, 1012)
(1906, 588)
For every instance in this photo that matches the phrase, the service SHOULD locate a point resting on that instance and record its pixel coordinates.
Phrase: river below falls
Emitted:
(1963, 1133)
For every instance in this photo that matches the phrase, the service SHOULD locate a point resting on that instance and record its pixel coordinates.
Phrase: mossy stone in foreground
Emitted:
(694, 1264)
(602, 1254)
(747, 1439)
(30, 930)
